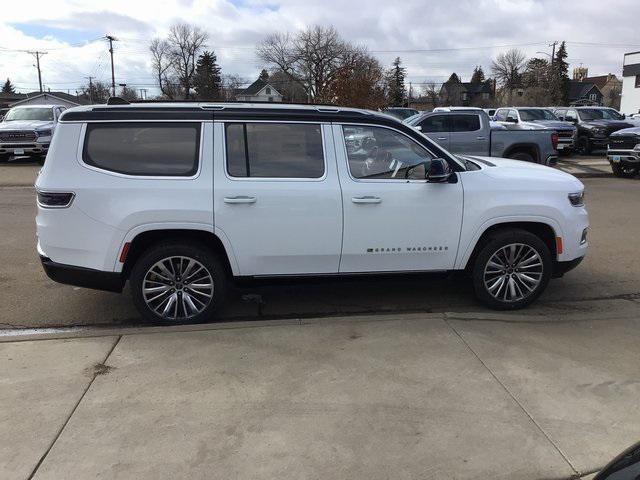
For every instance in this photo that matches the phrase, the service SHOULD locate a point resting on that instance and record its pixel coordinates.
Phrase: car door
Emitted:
(394, 220)
(467, 136)
(437, 128)
(277, 198)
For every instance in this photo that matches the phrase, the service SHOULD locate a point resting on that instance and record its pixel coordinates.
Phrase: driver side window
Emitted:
(381, 153)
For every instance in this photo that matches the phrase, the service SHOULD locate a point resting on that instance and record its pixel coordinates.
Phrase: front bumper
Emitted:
(24, 148)
(627, 158)
(560, 268)
(83, 277)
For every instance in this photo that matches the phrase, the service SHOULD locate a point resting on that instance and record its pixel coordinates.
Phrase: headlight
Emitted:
(43, 133)
(577, 199)
(637, 147)
(600, 131)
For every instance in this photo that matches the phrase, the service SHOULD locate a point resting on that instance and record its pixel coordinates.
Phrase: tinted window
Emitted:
(436, 123)
(276, 150)
(375, 152)
(466, 123)
(155, 149)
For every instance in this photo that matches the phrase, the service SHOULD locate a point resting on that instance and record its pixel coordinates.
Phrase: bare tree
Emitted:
(230, 83)
(312, 57)
(185, 45)
(162, 64)
(359, 82)
(507, 69)
(431, 92)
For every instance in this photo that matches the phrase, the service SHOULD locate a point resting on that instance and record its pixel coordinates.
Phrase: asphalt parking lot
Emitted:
(405, 377)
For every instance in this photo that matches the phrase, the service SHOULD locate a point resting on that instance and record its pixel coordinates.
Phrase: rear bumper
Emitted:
(83, 277)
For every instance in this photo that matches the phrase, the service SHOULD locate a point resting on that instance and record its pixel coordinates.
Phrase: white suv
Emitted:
(180, 199)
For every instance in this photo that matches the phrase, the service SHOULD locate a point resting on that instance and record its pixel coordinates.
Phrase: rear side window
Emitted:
(149, 148)
(274, 150)
(466, 123)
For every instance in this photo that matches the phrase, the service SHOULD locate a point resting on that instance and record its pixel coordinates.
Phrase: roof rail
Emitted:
(117, 101)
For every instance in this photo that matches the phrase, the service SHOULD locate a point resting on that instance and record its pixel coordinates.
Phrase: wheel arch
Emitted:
(543, 230)
(142, 239)
(530, 148)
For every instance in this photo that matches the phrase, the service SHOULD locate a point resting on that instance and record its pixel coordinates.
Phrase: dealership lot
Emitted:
(307, 380)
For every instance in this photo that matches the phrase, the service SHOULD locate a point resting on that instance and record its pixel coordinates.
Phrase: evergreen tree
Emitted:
(478, 75)
(559, 81)
(8, 87)
(264, 75)
(395, 82)
(207, 80)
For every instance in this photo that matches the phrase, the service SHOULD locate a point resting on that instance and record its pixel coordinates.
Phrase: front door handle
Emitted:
(481, 138)
(366, 199)
(442, 138)
(239, 199)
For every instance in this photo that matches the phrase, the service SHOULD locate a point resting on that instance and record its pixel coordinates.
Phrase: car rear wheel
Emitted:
(511, 270)
(4, 158)
(178, 283)
(623, 172)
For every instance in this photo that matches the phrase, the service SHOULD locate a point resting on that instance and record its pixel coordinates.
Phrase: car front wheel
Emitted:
(178, 283)
(622, 171)
(511, 270)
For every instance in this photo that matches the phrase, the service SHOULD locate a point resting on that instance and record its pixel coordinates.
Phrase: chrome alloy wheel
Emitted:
(177, 288)
(513, 272)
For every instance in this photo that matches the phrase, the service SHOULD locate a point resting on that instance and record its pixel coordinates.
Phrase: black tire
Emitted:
(189, 250)
(565, 152)
(4, 158)
(40, 159)
(622, 172)
(494, 244)
(583, 146)
(523, 156)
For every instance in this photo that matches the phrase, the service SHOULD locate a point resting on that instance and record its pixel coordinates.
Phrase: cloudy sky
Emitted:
(433, 37)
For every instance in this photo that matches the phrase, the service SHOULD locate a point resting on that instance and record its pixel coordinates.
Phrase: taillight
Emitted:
(554, 140)
(55, 199)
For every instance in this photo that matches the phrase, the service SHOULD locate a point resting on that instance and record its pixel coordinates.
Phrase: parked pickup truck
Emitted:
(534, 118)
(28, 130)
(624, 152)
(469, 132)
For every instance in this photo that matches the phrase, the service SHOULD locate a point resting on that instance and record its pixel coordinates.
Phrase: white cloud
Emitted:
(235, 27)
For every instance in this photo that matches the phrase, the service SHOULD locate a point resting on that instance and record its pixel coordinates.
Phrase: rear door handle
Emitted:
(442, 138)
(366, 199)
(239, 199)
(481, 138)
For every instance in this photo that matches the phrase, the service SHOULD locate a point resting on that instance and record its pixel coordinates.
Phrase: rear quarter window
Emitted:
(143, 148)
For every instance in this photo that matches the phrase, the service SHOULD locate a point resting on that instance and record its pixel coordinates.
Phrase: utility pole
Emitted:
(410, 92)
(90, 89)
(553, 52)
(37, 65)
(112, 39)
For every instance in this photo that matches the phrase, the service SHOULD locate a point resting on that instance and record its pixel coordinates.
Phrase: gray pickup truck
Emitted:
(470, 132)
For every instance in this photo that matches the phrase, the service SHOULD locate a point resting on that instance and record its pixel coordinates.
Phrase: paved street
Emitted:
(404, 377)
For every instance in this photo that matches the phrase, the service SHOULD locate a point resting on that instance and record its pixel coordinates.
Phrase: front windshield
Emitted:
(610, 114)
(43, 114)
(533, 114)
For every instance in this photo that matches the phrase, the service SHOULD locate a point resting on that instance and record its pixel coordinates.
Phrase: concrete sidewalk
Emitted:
(585, 167)
(443, 396)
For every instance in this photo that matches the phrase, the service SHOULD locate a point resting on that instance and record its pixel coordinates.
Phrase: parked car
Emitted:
(28, 130)
(469, 132)
(609, 113)
(624, 152)
(532, 118)
(594, 126)
(400, 112)
(180, 199)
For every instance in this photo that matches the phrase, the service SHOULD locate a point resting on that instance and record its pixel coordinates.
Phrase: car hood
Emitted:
(627, 131)
(555, 124)
(26, 124)
(608, 123)
(507, 169)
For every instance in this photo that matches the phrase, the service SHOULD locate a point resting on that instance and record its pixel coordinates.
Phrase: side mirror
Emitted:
(439, 171)
(418, 127)
(624, 115)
